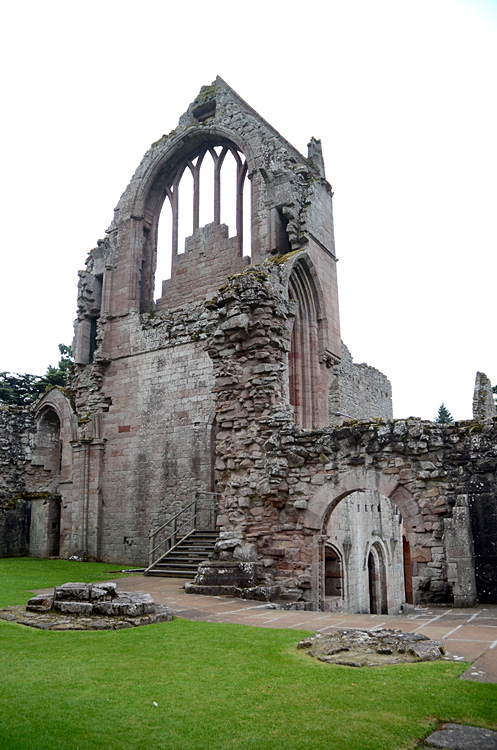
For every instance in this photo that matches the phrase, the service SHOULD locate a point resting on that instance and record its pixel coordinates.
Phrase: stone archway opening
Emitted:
(45, 522)
(361, 566)
(48, 441)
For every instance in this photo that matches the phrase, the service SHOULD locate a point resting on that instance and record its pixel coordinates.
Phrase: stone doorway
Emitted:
(333, 578)
(377, 581)
(362, 560)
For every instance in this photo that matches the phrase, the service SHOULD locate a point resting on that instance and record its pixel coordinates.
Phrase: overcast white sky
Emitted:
(402, 94)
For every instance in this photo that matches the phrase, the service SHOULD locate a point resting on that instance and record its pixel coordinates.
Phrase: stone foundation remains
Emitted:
(88, 606)
(371, 648)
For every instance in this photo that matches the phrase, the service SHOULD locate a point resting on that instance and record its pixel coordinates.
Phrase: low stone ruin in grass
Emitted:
(88, 606)
(371, 648)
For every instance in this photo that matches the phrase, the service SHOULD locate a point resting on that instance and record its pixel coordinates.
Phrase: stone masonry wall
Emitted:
(359, 391)
(279, 482)
(483, 398)
(16, 426)
(153, 410)
(199, 271)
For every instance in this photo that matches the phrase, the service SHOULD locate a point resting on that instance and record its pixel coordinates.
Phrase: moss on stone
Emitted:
(278, 260)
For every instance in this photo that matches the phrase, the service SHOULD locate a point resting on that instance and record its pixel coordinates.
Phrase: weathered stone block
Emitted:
(72, 591)
(74, 607)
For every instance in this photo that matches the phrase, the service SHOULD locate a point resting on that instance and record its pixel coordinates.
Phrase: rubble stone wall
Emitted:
(279, 483)
(16, 427)
(359, 391)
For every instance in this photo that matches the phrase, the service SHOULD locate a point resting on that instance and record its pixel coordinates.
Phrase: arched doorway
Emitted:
(361, 567)
(46, 510)
(48, 442)
(377, 581)
(333, 576)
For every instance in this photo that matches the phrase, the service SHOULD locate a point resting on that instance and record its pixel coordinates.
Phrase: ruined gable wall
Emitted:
(140, 407)
(359, 391)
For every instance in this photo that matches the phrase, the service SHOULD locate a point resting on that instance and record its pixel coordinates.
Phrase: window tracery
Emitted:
(209, 187)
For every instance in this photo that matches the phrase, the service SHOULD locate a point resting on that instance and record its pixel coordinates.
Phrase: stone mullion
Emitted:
(241, 171)
(195, 170)
(175, 209)
(217, 186)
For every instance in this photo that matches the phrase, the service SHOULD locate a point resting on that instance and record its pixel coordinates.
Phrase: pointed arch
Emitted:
(189, 205)
(377, 580)
(303, 360)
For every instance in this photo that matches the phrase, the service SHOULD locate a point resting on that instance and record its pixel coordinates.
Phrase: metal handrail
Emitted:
(174, 533)
(153, 532)
(166, 543)
(173, 520)
(153, 562)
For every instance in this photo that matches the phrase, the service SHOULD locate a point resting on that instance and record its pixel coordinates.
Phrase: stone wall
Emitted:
(153, 407)
(16, 427)
(483, 398)
(198, 272)
(279, 483)
(358, 391)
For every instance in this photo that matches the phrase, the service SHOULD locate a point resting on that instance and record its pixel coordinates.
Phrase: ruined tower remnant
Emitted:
(483, 398)
(143, 390)
(209, 404)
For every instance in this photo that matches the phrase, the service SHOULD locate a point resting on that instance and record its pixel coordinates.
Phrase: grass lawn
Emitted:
(184, 685)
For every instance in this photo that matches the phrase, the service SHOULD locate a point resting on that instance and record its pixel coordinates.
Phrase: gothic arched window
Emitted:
(208, 187)
(304, 353)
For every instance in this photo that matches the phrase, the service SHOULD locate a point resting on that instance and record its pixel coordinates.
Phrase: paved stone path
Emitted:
(466, 634)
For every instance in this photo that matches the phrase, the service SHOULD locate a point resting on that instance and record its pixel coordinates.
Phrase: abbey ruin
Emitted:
(227, 401)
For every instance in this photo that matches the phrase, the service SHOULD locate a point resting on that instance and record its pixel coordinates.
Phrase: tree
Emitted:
(444, 415)
(58, 375)
(19, 389)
